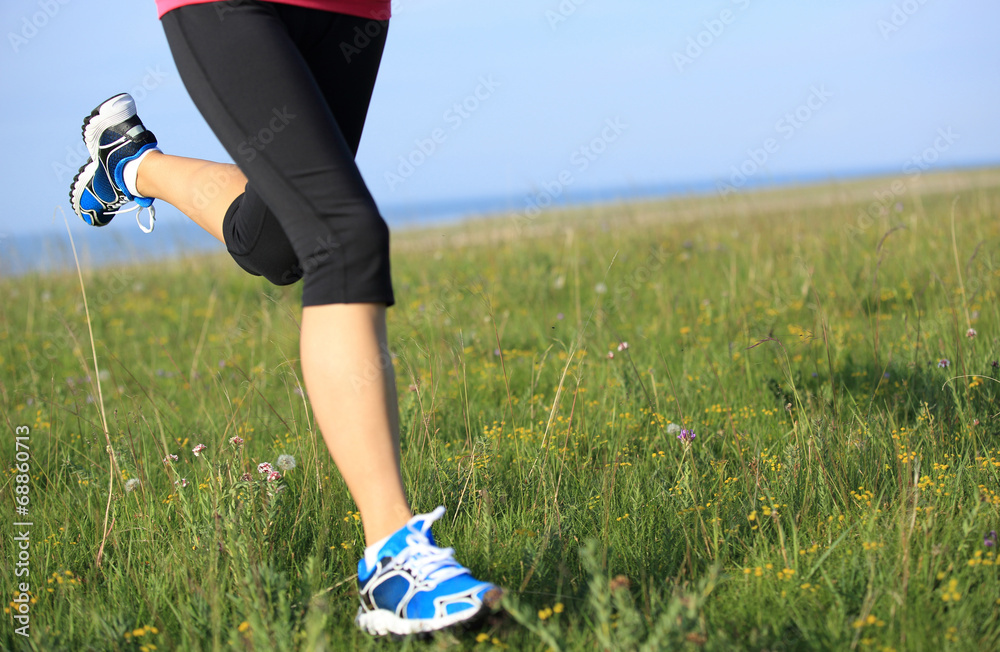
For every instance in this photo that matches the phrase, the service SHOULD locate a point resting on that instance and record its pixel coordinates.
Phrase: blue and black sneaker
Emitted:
(114, 136)
(415, 587)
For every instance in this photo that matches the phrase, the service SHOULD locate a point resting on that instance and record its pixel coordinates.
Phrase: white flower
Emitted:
(623, 346)
(183, 482)
(273, 475)
(236, 441)
(970, 333)
(198, 449)
(264, 468)
(131, 484)
(169, 458)
(600, 288)
(285, 462)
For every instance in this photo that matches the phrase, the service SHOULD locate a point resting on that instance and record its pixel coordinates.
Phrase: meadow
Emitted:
(761, 421)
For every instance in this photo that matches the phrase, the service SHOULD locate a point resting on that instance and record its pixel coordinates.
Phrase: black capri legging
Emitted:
(286, 90)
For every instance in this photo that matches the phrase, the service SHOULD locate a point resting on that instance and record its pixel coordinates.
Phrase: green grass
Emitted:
(837, 494)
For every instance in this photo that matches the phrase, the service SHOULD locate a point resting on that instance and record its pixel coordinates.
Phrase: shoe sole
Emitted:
(111, 111)
(77, 188)
(383, 622)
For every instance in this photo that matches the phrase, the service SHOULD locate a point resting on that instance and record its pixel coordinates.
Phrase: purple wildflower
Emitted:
(944, 363)
(686, 435)
(991, 539)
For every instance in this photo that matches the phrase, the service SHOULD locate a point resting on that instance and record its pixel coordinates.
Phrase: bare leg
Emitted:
(352, 388)
(345, 358)
(202, 190)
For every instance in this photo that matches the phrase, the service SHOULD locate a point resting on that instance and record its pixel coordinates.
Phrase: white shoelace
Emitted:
(138, 209)
(428, 562)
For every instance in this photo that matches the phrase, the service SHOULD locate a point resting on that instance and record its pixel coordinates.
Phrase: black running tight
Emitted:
(286, 90)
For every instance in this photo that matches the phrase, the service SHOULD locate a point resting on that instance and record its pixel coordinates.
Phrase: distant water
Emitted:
(47, 249)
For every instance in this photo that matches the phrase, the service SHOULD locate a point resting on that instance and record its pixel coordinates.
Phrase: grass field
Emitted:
(839, 492)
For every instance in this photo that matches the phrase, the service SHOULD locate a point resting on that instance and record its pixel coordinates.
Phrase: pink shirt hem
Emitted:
(375, 9)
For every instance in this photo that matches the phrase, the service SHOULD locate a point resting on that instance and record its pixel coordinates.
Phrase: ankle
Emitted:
(144, 185)
(385, 525)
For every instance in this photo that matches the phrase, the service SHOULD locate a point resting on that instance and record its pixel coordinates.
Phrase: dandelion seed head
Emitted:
(131, 484)
(673, 428)
(285, 462)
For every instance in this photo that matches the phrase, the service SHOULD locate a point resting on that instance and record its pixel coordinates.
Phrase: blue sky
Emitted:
(692, 90)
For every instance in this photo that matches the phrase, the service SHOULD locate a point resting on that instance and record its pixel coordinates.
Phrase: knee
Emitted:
(351, 262)
(286, 273)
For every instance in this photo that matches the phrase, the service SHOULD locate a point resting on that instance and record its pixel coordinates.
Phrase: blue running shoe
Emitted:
(94, 197)
(114, 135)
(416, 587)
